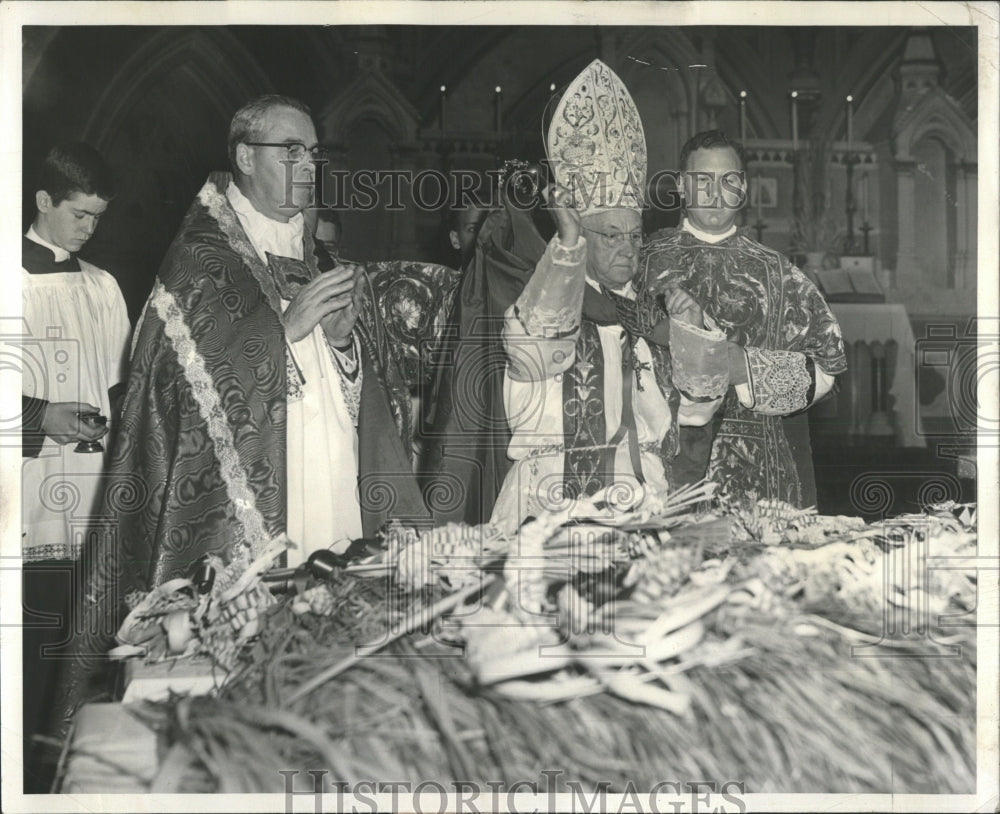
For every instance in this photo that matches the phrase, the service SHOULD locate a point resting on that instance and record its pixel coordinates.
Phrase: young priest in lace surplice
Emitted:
(74, 356)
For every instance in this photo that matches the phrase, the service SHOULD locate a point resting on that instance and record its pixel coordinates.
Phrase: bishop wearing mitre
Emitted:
(600, 374)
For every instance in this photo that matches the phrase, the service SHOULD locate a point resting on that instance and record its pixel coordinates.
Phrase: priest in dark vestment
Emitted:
(785, 345)
(265, 400)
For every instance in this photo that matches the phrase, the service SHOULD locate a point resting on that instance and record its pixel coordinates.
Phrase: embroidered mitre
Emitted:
(596, 145)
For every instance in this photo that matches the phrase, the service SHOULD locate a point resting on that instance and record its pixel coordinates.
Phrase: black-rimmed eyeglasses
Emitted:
(294, 150)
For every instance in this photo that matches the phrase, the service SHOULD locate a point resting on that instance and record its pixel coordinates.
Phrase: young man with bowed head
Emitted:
(74, 357)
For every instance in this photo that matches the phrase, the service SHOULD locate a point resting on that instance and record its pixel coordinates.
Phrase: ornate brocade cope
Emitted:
(761, 301)
(414, 300)
(199, 466)
(596, 142)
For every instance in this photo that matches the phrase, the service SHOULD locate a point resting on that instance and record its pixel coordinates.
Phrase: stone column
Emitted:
(907, 265)
(966, 198)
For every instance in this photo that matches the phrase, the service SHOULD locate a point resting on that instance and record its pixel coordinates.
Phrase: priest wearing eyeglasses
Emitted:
(258, 372)
(263, 398)
(599, 374)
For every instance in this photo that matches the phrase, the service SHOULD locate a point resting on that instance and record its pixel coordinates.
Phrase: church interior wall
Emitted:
(157, 102)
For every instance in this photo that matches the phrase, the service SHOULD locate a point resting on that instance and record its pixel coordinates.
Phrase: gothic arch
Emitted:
(667, 126)
(936, 114)
(211, 60)
(741, 68)
(664, 48)
(162, 123)
(872, 82)
(370, 96)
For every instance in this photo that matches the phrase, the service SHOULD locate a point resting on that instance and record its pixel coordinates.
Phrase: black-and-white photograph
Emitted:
(487, 406)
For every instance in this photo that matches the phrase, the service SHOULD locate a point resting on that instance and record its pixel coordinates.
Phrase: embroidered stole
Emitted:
(589, 457)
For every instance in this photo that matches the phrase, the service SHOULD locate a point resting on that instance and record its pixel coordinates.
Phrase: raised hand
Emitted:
(339, 324)
(558, 201)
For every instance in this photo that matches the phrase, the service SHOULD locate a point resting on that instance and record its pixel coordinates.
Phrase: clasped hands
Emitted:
(332, 300)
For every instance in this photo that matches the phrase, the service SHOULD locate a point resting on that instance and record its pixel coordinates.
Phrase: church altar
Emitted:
(870, 330)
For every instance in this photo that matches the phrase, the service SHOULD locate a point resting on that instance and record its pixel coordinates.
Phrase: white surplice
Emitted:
(321, 437)
(76, 349)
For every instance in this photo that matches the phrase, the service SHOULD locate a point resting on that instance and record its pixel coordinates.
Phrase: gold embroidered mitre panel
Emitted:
(596, 144)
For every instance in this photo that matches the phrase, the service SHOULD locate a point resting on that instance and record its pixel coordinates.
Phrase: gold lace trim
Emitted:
(205, 394)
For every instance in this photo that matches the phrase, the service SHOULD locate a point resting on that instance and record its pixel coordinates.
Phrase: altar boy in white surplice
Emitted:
(73, 361)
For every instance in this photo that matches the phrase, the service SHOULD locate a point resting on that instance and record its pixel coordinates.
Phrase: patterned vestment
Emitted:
(199, 466)
(760, 300)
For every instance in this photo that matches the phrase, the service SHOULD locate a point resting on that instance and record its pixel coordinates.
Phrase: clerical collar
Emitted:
(60, 254)
(707, 237)
(267, 234)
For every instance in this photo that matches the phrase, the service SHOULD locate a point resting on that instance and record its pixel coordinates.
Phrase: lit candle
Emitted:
(743, 118)
(552, 88)
(499, 108)
(443, 97)
(850, 122)
(795, 120)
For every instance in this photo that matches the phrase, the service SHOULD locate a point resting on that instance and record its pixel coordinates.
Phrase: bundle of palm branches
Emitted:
(776, 662)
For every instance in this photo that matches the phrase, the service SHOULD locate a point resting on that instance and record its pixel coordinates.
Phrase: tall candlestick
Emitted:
(795, 120)
(850, 122)
(760, 195)
(499, 108)
(743, 118)
(443, 105)
(864, 195)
